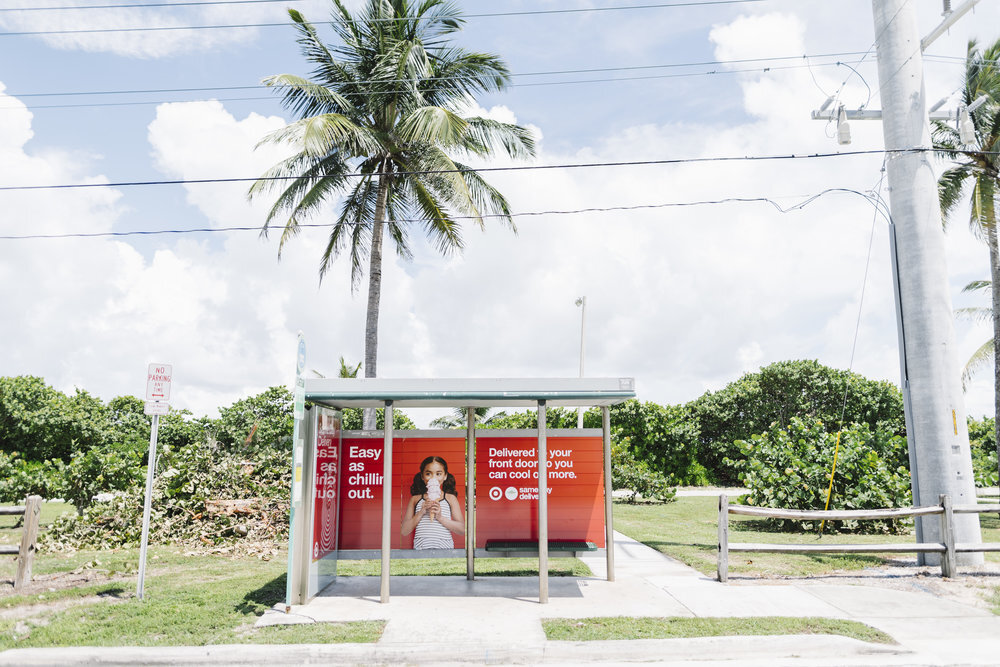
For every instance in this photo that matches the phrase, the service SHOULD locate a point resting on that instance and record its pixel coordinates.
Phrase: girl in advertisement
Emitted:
(433, 512)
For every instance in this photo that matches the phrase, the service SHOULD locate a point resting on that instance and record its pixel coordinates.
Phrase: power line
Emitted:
(597, 209)
(513, 85)
(588, 70)
(580, 165)
(140, 6)
(581, 10)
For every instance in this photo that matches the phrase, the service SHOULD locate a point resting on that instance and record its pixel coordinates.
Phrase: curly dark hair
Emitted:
(418, 488)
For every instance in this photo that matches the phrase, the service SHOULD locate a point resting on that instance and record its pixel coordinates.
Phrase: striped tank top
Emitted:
(430, 534)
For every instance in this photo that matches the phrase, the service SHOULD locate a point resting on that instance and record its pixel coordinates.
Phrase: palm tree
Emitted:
(978, 165)
(381, 127)
(984, 353)
(458, 418)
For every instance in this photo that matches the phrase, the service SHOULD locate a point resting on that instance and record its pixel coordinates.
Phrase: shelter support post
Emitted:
(470, 489)
(543, 509)
(609, 545)
(386, 502)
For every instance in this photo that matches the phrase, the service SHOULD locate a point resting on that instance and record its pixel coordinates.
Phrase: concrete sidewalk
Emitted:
(498, 620)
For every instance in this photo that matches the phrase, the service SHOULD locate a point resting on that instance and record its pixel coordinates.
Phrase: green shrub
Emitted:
(261, 420)
(783, 390)
(983, 443)
(41, 423)
(353, 420)
(20, 479)
(664, 436)
(101, 471)
(790, 469)
(637, 476)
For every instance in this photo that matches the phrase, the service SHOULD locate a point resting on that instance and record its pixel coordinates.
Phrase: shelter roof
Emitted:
(468, 392)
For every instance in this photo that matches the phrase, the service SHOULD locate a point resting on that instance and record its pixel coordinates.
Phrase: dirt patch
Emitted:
(51, 583)
(972, 586)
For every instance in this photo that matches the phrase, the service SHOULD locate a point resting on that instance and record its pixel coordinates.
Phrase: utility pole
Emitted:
(936, 430)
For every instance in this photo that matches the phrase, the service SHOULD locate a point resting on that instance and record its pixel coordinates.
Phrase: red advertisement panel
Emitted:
(325, 491)
(507, 488)
(362, 478)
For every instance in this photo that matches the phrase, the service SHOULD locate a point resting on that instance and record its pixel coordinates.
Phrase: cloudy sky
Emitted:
(683, 298)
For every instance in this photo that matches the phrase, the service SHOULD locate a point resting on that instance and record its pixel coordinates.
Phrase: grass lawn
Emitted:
(623, 627)
(87, 598)
(687, 530)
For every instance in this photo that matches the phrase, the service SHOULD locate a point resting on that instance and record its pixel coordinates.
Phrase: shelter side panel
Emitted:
(507, 489)
(361, 491)
(325, 506)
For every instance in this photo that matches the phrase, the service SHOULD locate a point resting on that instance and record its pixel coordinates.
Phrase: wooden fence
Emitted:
(26, 552)
(948, 548)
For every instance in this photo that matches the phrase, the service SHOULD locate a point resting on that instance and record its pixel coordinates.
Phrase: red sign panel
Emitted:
(361, 488)
(507, 488)
(325, 513)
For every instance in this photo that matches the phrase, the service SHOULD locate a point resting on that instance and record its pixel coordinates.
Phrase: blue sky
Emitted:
(683, 299)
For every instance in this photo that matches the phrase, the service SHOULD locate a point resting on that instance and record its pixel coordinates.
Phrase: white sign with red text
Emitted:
(158, 382)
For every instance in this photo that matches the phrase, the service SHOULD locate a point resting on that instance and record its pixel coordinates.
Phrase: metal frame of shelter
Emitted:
(340, 393)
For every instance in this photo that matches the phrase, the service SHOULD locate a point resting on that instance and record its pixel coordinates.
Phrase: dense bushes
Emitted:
(790, 468)
(983, 442)
(781, 391)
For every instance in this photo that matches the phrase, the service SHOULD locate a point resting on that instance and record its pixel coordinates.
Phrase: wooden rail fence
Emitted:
(26, 552)
(948, 548)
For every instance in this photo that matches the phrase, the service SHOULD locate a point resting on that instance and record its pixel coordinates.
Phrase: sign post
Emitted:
(158, 379)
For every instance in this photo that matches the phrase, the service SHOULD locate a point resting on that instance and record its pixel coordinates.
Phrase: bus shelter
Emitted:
(348, 487)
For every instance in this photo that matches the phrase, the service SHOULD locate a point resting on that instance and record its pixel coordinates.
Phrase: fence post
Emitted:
(723, 568)
(947, 536)
(32, 508)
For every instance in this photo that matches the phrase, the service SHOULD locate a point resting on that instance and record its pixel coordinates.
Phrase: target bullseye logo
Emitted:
(496, 493)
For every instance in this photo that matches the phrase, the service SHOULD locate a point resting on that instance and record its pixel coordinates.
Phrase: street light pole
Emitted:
(582, 302)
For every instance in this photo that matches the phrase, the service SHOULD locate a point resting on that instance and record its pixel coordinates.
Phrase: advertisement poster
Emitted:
(507, 488)
(361, 486)
(325, 513)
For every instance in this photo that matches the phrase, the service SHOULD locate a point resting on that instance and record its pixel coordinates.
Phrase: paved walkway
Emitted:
(498, 620)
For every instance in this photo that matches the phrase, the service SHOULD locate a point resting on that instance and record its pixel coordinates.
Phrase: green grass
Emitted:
(10, 530)
(194, 600)
(485, 567)
(687, 530)
(623, 627)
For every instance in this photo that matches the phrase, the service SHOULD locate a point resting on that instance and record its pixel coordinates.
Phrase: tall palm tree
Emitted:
(977, 165)
(382, 129)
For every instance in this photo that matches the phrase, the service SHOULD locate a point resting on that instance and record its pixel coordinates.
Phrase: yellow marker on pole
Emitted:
(829, 491)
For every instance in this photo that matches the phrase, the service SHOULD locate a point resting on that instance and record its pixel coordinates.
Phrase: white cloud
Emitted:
(683, 298)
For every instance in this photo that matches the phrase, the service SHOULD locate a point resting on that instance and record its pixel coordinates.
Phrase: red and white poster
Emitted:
(325, 515)
(507, 488)
(361, 488)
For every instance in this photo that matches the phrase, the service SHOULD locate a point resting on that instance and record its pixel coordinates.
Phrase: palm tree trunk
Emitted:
(375, 290)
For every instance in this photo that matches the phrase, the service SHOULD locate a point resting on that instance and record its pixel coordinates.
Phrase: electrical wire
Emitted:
(513, 85)
(538, 167)
(597, 209)
(191, 3)
(538, 12)
(854, 344)
(589, 70)
(579, 165)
